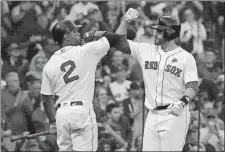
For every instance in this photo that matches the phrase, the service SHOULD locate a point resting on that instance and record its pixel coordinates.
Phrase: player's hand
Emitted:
(176, 108)
(89, 36)
(131, 15)
(53, 126)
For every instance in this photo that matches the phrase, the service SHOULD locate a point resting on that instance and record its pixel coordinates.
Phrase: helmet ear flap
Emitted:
(170, 36)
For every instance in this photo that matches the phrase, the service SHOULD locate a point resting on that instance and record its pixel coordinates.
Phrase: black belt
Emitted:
(161, 107)
(72, 103)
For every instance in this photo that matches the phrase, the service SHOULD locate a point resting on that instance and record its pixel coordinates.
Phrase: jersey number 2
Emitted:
(66, 77)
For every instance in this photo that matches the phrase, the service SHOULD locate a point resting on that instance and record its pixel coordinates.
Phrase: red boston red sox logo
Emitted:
(154, 65)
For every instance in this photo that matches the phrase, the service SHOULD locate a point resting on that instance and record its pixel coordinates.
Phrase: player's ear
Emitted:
(66, 37)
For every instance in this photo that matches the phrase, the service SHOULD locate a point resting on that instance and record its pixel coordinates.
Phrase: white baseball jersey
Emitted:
(70, 72)
(120, 90)
(164, 73)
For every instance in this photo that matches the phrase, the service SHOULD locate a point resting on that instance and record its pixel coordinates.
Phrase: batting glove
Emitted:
(131, 15)
(89, 36)
(176, 108)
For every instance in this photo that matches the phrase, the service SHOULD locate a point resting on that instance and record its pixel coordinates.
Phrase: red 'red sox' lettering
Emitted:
(154, 65)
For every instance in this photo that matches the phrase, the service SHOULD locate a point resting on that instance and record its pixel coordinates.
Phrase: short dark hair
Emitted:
(135, 86)
(30, 78)
(111, 106)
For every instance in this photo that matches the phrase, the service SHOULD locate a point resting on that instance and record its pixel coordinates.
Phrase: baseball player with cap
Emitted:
(171, 82)
(69, 77)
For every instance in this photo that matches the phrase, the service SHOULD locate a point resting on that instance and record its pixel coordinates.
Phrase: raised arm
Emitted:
(118, 39)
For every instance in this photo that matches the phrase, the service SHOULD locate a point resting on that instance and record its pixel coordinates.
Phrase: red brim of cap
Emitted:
(163, 28)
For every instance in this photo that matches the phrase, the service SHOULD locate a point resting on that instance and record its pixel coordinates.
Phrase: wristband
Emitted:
(185, 99)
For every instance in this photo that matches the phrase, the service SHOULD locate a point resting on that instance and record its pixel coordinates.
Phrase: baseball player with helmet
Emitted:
(69, 77)
(171, 82)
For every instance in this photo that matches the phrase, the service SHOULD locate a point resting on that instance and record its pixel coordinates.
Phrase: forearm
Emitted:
(190, 93)
(191, 89)
(99, 34)
(49, 109)
(122, 29)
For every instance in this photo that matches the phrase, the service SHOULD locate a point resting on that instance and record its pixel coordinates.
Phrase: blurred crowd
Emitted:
(26, 46)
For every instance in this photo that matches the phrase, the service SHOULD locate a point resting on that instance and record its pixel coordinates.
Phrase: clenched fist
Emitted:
(131, 15)
(89, 36)
(176, 108)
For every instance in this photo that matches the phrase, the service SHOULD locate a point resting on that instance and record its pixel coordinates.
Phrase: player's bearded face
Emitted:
(159, 37)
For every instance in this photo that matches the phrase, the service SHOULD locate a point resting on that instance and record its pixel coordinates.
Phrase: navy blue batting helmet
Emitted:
(170, 24)
(62, 27)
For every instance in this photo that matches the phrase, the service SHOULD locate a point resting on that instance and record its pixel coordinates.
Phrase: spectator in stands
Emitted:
(195, 6)
(171, 9)
(33, 49)
(217, 17)
(220, 84)
(219, 107)
(192, 34)
(14, 62)
(39, 118)
(138, 143)
(6, 24)
(119, 88)
(80, 10)
(34, 87)
(115, 6)
(37, 64)
(41, 123)
(49, 46)
(22, 14)
(118, 127)
(94, 18)
(212, 133)
(16, 106)
(210, 69)
(105, 144)
(112, 19)
(117, 59)
(136, 110)
(100, 104)
(192, 141)
(147, 36)
(39, 31)
(190, 147)
(207, 86)
(60, 14)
